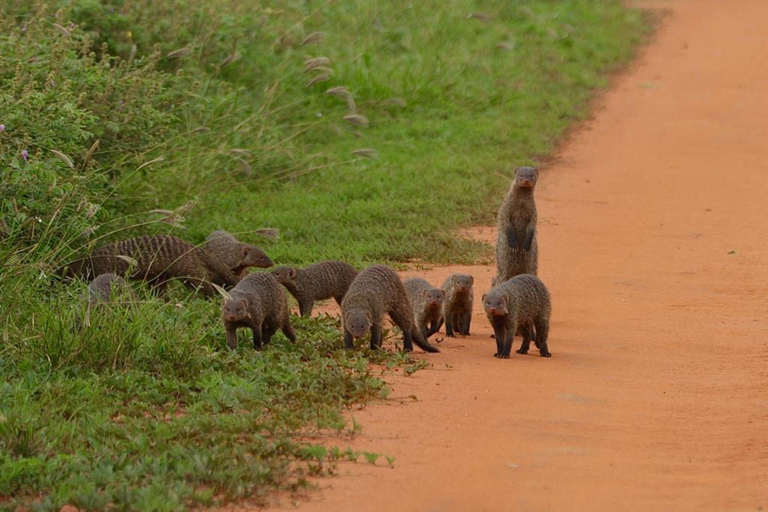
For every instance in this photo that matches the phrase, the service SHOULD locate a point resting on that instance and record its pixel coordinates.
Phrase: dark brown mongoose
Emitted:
(236, 255)
(427, 302)
(159, 259)
(517, 248)
(521, 302)
(257, 302)
(457, 307)
(316, 282)
(375, 291)
(100, 290)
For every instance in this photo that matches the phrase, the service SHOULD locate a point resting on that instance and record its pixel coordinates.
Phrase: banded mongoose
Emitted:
(236, 255)
(516, 248)
(316, 282)
(521, 302)
(102, 288)
(377, 290)
(427, 302)
(257, 302)
(159, 259)
(457, 308)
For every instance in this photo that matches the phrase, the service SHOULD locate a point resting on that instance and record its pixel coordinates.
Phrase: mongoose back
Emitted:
(516, 247)
(159, 258)
(236, 255)
(427, 302)
(524, 302)
(257, 302)
(316, 282)
(100, 290)
(457, 308)
(375, 291)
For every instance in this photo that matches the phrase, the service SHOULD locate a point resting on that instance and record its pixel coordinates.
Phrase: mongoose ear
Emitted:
(292, 273)
(245, 302)
(369, 316)
(484, 296)
(424, 293)
(244, 251)
(515, 171)
(471, 279)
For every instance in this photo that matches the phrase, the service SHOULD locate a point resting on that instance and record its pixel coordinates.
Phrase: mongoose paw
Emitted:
(521, 351)
(450, 335)
(496, 355)
(504, 356)
(546, 354)
(493, 336)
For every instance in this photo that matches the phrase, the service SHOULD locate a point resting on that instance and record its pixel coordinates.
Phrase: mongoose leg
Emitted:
(465, 321)
(305, 307)
(449, 326)
(348, 341)
(422, 342)
(375, 337)
(499, 335)
(528, 238)
(526, 332)
(338, 300)
(289, 332)
(257, 339)
(509, 336)
(542, 333)
(231, 337)
(407, 342)
(512, 238)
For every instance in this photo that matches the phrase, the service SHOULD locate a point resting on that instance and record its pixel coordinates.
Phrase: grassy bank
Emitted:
(220, 111)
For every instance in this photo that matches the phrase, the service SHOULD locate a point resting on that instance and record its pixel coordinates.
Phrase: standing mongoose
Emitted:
(257, 302)
(523, 302)
(457, 308)
(236, 255)
(516, 248)
(158, 259)
(316, 282)
(100, 290)
(375, 291)
(427, 302)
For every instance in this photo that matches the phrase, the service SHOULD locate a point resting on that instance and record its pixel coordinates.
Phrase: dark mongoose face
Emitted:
(255, 257)
(284, 275)
(357, 323)
(494, 304)
(525, 177)
(233, 310)
(434, 298)
(463, 282)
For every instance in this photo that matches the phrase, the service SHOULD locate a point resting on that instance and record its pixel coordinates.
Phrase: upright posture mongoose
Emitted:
(375, 291)
(159, 258)
(236, 255)
(457, 308)
(316, 282)
(524, 302)
(100, 290)
(516, 248)
(257, 302)
(427, 302)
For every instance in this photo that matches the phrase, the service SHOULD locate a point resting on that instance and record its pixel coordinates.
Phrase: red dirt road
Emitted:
(653, 239)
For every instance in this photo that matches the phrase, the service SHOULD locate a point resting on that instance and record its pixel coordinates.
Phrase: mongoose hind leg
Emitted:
(286, 327)
(466, 320)
(449, 326)
(257, 338)
(526, 332)
(542, 333)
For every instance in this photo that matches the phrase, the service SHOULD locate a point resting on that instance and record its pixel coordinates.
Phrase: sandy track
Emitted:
(656, 397)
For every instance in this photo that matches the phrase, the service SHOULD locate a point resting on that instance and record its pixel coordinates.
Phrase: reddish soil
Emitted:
(653, 241)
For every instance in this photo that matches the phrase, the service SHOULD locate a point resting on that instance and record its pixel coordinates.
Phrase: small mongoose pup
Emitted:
(375, 291)
(236, 255)
(516, 248)
(427, 302)
(100, 290)
(257, 302)
(316, 282)
(159, 259)
(457, 307)
(523, 302)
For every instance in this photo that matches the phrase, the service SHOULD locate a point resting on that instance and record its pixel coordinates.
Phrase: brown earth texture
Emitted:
(653, 234)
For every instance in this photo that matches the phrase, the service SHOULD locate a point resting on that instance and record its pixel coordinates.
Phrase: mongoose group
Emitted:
(517, 303)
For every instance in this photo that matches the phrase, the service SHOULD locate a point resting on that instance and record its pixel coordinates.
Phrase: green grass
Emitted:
(203, 102)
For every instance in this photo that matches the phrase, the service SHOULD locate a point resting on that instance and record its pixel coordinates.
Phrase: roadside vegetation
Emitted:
(363, 131)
